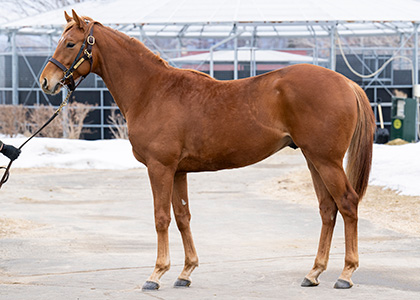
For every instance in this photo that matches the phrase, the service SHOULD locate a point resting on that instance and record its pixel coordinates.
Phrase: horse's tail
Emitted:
(359, 155)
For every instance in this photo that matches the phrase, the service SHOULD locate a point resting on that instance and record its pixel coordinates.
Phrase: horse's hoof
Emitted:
(342, 284)
(182, 283)
(150, 286)
(307, 283)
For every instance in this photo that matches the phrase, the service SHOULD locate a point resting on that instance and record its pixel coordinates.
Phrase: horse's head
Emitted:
(70, 49)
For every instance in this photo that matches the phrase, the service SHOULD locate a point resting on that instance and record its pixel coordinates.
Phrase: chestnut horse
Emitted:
(182, 121)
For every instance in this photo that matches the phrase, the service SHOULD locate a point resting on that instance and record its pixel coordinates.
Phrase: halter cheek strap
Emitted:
(87, 55)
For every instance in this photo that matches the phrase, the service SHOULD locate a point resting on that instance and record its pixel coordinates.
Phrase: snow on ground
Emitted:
(73, 154)
(397, 168)
(394, 167)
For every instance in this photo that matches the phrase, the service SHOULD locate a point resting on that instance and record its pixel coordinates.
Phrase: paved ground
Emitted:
(69, 234)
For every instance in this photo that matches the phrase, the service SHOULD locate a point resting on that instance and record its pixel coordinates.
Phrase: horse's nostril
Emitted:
(45, 83)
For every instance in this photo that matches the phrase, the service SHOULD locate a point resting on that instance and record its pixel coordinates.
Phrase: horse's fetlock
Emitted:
(320, 266)
(163, 267)
(352, 264)
(193, 262)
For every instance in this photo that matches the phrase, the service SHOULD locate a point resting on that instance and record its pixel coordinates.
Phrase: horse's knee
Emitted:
(328, 214)
(162, 222)
(183, 221)
(329, 220)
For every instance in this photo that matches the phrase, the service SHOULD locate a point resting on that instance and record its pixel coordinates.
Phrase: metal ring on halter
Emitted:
(90, 40)
(6, 175)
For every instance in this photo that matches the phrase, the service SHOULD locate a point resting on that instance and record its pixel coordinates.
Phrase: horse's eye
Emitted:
(70, 45)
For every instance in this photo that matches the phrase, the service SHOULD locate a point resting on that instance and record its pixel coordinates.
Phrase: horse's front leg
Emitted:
(161, 179)
(182, 213)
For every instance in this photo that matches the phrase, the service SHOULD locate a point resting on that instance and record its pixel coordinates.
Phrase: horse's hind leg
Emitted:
(328, 211)
(346, 199)
(180, 204)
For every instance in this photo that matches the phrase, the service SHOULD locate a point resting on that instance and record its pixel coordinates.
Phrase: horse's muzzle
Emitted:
(45, 87)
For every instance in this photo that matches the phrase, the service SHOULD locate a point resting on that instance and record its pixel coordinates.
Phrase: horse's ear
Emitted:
(68, 18)
(79, 21)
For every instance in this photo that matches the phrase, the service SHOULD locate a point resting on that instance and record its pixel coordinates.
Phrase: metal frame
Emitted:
(228, 35)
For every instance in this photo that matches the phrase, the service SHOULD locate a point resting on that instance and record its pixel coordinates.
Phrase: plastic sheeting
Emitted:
(207, 17)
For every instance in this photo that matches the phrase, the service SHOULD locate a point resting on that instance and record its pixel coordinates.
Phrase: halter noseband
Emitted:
(87, 55)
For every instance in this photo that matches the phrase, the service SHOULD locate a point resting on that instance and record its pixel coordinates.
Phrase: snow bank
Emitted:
(74, 154)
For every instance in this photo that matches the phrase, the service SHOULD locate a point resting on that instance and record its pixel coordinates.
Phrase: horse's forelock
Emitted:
(70, 24)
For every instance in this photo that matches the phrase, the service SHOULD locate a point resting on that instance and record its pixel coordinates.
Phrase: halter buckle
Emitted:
(88, 54)
(68, 76)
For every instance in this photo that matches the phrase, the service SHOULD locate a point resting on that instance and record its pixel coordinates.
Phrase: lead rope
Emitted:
(7, 169)
(68, 75)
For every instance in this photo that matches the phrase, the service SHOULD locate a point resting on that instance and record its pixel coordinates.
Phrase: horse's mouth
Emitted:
(55, 90)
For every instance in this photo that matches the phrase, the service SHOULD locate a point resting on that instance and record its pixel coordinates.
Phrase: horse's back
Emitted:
(240, 122)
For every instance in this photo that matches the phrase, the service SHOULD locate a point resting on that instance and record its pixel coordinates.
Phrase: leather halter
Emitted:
(87, 55)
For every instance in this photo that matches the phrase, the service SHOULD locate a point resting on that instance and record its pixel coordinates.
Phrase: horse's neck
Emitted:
(127, 67)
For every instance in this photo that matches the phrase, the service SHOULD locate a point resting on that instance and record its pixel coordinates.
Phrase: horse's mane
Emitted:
(199, 73)
(137, 44)
(156, 56)
(133, 41)
(126, 38)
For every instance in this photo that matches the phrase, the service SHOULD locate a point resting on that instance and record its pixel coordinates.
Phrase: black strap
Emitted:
(58, 64)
